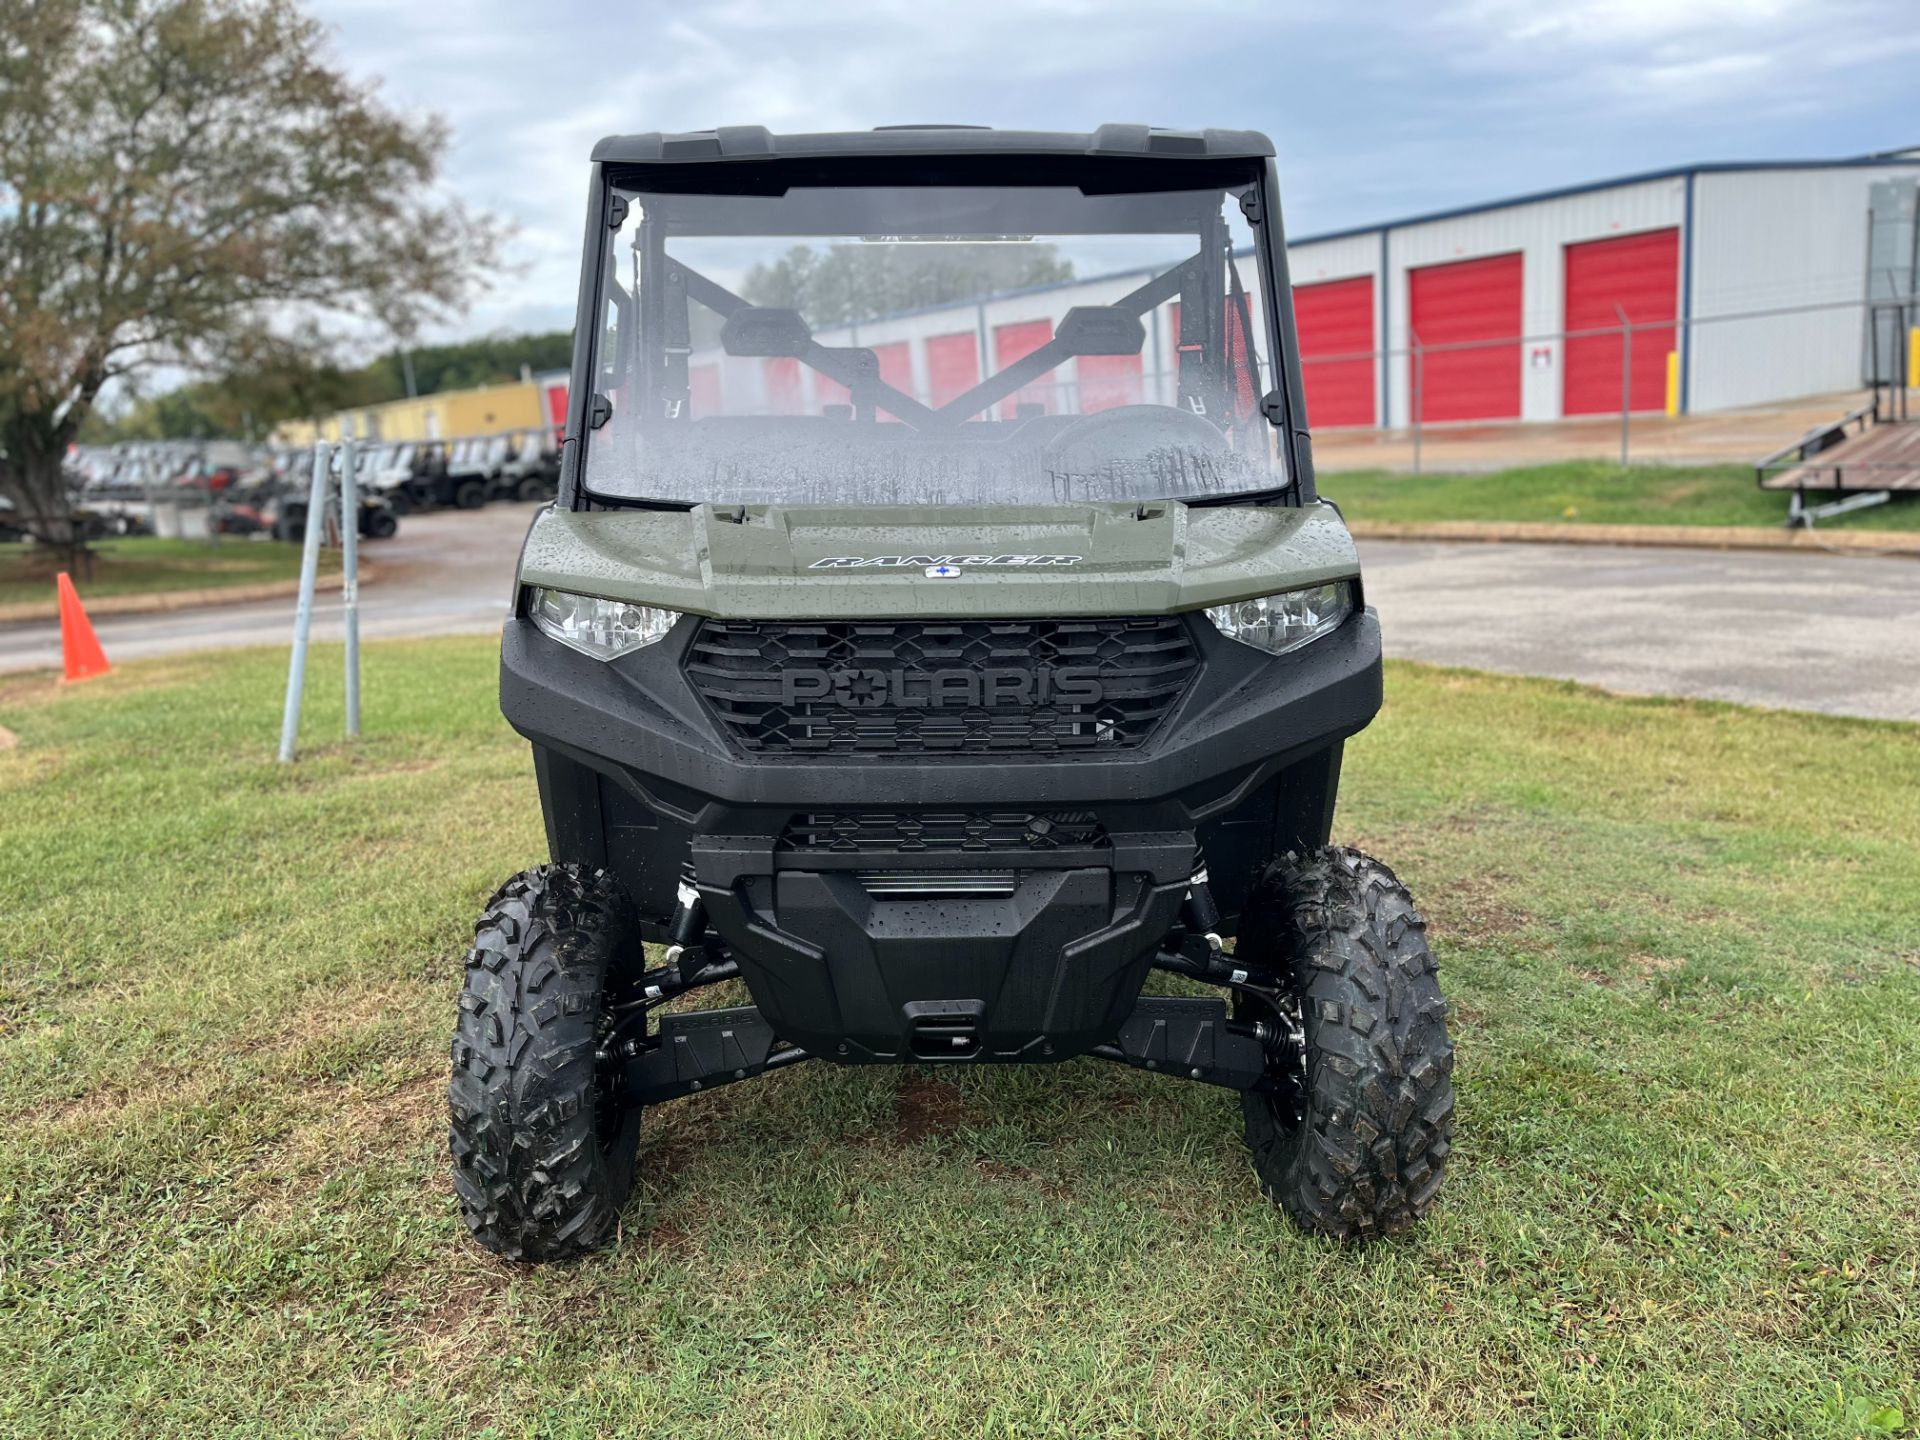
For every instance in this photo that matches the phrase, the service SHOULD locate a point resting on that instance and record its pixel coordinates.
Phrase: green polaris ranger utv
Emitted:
(938, 630)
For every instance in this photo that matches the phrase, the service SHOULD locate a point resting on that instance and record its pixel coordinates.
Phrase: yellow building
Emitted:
(450, 415)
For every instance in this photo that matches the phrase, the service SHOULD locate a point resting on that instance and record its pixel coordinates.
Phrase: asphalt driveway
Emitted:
(1839, 634)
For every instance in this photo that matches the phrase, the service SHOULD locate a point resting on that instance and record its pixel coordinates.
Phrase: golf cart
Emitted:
(941, 708)
(389, 474)
(285, 513)
(433, 475)
(469, 473)
(531, 470)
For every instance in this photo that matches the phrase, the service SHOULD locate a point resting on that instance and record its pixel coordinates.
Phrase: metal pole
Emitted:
(1898, 341)
(145, 465)
(350, 577)
(303, 612)
(982, 365)
(1626, 380)
(1905, 341)
(1419, 392)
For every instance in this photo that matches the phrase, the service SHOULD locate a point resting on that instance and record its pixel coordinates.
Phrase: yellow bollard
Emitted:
(1673, 379)
(1913, 357)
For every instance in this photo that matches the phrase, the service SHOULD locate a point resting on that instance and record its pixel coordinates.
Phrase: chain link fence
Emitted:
(1777, 355)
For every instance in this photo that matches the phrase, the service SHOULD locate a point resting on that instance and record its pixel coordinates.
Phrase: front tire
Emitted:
(543, 1154)
(1354, 1143)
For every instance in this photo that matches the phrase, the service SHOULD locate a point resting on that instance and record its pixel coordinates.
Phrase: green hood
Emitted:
(1025, 561)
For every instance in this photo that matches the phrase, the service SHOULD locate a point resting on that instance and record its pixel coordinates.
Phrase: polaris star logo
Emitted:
(931, 563)
(941, 689)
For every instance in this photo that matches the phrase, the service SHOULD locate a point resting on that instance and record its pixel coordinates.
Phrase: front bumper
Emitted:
(638, 777)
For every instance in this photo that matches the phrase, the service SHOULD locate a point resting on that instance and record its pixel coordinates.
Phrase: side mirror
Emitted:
(1101, 330)
(766, 331)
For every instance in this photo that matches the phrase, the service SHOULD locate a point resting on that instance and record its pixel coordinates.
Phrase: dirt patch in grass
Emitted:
(95, 1107)
(1646, 966)
(1475, 910)
(31, 688)
(39, 687)
(323, 1019)
(926, 1108)
(289, 1053)
(345, 1133)
(437, 1310)
(469, 1300)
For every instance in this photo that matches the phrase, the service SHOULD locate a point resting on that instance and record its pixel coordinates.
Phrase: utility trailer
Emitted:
(1868, 455)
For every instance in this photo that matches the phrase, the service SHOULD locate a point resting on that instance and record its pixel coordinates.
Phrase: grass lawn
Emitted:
(143, 565)
(1592, 492)
(1684, 949)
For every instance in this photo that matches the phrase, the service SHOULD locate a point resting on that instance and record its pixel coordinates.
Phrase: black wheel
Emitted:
(381, 525)
(543, 1153)
(533, 488)
(469, 495)
(1351, 1137)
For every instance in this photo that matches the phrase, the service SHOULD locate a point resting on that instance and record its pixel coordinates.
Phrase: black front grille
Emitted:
(864, 832)
(973, 687)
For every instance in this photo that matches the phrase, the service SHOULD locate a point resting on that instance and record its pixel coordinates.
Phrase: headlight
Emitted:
(1279, 623)
(603, 629)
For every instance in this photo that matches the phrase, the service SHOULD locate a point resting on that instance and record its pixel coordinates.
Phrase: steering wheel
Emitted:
(1129, 430)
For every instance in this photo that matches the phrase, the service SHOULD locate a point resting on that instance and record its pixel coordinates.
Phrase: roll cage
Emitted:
(695, 176)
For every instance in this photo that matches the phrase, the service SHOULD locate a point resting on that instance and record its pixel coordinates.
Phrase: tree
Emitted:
(857, 282)
(181, 183)
(281, 379)
(490, 360)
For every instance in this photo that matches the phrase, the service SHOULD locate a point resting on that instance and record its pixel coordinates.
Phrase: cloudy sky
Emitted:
(1379, 108)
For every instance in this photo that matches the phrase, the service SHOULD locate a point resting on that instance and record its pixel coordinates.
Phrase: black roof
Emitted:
(756, 142)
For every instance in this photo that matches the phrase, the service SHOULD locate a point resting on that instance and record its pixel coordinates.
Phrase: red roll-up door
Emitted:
(1336, 319)
(703, 385)
(1107, 381)
(784, 396)
(1015, 342)
(953, 366)
(1641, 275)
(896, 369)
(1462, 304)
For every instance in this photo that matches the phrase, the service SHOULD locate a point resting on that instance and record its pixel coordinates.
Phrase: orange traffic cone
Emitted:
(79, 646)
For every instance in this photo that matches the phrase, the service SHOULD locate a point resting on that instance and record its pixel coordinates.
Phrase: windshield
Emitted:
(930, 344)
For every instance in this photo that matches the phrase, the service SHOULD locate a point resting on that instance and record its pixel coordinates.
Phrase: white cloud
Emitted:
(1610, 22)
(1378, 110)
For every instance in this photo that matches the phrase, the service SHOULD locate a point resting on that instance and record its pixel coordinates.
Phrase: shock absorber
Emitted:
(683, 931)
(1201, 913)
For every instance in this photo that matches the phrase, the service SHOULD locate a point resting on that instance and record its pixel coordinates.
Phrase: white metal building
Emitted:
(1503, 298)
(1738, 284)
